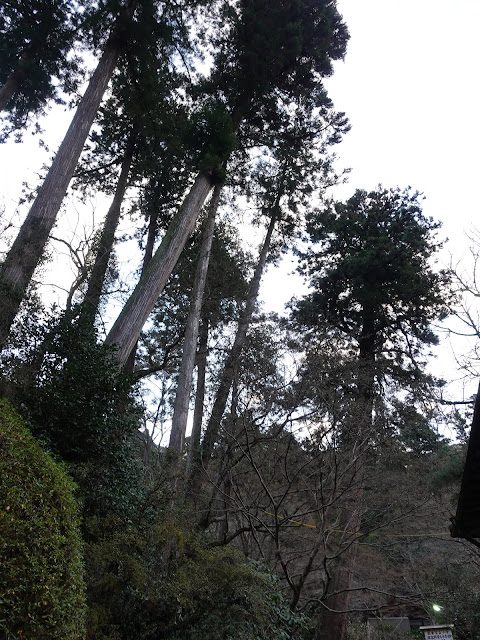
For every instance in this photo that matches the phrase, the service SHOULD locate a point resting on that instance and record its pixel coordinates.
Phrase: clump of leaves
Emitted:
(41, 567)
(211, 139)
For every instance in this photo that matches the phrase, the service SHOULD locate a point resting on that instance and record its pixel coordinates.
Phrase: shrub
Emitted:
(41, 567)
(163, 583)
(69, 389)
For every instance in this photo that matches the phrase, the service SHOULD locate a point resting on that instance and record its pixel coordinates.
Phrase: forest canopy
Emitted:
(232, 473)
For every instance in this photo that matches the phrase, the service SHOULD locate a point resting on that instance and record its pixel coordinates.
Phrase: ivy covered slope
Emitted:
(41, 567)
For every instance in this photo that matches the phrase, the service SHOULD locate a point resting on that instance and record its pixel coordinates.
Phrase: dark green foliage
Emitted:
(211, 139)
(197, 592)
(41, 568)
(77, 396)
(373, 281)
(75, 399)
(35, 40)
(268, 55)
(447, 474)
(414, 428)
(283, 46)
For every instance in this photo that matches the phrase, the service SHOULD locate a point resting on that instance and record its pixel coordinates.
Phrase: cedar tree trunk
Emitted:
(14, 81)
(28, 247)
(182, 398)
(213, 426)
(128, 326)
(147, 257)
(193, 459)
(335, 619)
(97, 277)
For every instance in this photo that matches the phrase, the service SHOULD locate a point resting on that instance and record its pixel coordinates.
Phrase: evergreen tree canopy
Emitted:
(372, 276)
(280, 46)
(270, 54)
(36, 38)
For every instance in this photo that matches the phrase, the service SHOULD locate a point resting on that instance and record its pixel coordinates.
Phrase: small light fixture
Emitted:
(437, 608)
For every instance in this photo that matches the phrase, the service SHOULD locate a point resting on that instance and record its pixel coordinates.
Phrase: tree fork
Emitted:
(128, 326)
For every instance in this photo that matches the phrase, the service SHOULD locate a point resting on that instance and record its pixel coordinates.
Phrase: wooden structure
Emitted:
(466, 523)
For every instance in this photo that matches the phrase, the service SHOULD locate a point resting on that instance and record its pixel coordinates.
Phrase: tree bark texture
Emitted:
(28, 247)
(128, 326)
(182, 398)
(193, 459)
(147, 257)
(96, 281)
(213, 426)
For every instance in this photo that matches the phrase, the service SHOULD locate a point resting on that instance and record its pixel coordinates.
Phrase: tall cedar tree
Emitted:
(283, 182)
(140, 128)
(274, 52)
(27, 249)
(372, 280)
(185, 377)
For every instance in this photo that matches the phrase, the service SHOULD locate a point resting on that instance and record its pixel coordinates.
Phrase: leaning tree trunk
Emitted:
(28, 247)
(226, 475)
(182, 398)
(96, 281)
(14, 81)
(334, 623)
(213, 426)
(151, 237)
(147, 258)
(128, 326)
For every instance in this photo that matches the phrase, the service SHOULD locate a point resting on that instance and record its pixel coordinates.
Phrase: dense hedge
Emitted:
(41, 567)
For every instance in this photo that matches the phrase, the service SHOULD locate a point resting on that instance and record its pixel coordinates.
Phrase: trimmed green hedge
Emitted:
(41, 567)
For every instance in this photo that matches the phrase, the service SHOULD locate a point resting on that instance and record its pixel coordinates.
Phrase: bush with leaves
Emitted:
(159, 582)
(69, 389)
(41, 568)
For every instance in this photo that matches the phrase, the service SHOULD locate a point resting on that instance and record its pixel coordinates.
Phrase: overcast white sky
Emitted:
(409, 86)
